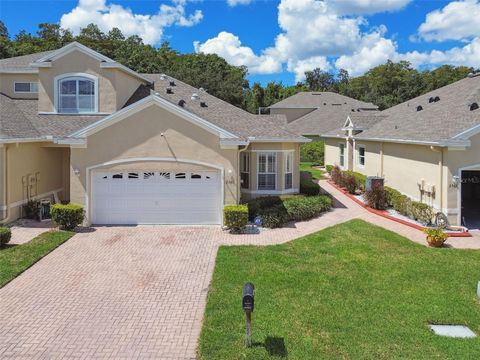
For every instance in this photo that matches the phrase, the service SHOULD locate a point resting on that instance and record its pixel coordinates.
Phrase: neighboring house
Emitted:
(132, 148)
(313, 113)
(427, 148)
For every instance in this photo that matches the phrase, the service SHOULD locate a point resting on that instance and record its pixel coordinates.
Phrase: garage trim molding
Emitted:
(89, 172)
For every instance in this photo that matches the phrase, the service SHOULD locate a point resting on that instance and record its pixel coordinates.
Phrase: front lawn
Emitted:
(14, 259)
(353, 291)
(308, 166)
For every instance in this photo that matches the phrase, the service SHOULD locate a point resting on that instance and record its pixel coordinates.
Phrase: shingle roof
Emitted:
(437, 121)
(313, 100)
(21, 63)
(216, 111)
(20, 120)
(361, 121)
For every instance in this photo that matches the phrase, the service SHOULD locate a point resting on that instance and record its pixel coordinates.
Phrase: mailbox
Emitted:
(248, 297)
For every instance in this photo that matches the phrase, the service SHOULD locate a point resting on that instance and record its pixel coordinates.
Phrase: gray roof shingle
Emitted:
(21, 63)
(316, 99)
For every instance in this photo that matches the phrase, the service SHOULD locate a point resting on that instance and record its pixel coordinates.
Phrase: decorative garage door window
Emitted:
(156, 197)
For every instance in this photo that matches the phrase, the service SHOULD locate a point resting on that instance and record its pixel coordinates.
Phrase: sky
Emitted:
(279, 40)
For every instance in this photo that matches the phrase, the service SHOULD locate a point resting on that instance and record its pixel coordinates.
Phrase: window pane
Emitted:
(86, 103)
(288, 181)
(34, 87)
(68, 103)
(86, 87)
(266, 181)
(271, 163)
(262, 159)
(22, 87)
(68, 87)
(245, 180)
(361, 151)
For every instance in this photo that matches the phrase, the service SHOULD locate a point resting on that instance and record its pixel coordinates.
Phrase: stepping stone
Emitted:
(456, 331)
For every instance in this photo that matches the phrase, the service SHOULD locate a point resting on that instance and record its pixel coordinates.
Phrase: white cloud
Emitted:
(358, 7)
(230, 48)
(148, 27)
(458, 20)
(233, 3)
(299, 67)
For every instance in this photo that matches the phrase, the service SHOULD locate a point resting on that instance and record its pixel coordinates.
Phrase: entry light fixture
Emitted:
(76, 172)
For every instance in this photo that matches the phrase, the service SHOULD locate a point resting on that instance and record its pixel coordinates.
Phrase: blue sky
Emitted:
(279, 40)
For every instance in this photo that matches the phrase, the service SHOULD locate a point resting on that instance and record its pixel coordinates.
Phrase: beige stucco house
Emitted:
(132, 148)
(427, 148)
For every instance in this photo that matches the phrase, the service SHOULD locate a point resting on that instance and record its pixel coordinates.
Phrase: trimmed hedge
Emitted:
(289, 208)
(235, 217)
(309, 188)
(422, 212)
(68, 217)
(376, 197)
(329, 168)
(5, 236)
(359, 178)
(313, 152)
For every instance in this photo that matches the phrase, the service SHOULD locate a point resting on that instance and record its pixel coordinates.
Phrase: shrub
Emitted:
(313, 152)
(329, 168)
(392, 195)
(376, 197)
(435, 236)
(68, 217)
(309, 188)
(305, 208)
(337, 176)
(235, 217)
(257, 204)
(403, 205)
(422, 212)
(5, 236)
(274, 217)
(32, 209)
(349, 183)
(360, 178)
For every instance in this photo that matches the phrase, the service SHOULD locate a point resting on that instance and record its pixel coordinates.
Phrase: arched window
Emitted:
(76, 94)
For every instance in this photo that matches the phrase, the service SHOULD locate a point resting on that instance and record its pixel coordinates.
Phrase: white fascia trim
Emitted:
(73, 114)
(270, 192)
(348, 123)
(68, 49)
(271, 150)
(467, 134)
(273, 140)
(143, 104)
(129, 71)
(446, 143)
(24, 140)
(19, 71)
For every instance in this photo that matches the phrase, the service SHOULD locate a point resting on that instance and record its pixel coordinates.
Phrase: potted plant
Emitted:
(436, 236)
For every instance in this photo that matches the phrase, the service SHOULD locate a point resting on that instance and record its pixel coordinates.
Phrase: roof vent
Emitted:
(473, 74)
(163, 77)
(203, 104)
(324, 103)
(419, 108)
(353, 110)
(169, 91)
(474, 106)
(195, 96)
(431, 100)
(182, 103)
(172, 83)
(202, 90)
(437, 98)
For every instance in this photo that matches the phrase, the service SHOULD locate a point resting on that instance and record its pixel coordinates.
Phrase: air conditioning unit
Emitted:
(372, 181)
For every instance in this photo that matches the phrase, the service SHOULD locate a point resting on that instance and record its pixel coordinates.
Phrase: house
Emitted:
(131, 148)
(427, 148)
(313, 113)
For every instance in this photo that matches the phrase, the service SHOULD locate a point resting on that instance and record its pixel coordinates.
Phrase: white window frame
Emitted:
(245, 168)
(341, 157)
(267, 153)
(364, 156)
(56, 89)
(288, 170)
(32, 83)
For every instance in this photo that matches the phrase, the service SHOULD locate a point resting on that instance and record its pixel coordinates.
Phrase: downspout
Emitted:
(238, 169)
(440, 164)
(6, 219)
(381, 159)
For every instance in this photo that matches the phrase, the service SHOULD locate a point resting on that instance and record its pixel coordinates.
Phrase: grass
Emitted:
(307, 166)
(352, 291)
(14, 259)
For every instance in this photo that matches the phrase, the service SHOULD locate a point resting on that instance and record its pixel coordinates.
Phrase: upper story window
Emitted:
(26, 87)
(77, 94)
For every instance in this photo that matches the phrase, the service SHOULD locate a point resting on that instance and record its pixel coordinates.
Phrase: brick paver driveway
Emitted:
(116, 292)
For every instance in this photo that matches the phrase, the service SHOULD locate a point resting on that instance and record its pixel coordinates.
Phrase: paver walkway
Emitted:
(133, 292)
(25, 230)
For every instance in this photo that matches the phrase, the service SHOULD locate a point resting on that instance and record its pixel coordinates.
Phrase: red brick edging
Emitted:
(385, 214)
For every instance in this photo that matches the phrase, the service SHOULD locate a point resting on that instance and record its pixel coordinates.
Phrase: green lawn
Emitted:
(353, 291)
(307, 166)
(15, 259)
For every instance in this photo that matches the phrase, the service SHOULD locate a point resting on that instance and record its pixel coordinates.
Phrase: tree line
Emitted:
(384, 85)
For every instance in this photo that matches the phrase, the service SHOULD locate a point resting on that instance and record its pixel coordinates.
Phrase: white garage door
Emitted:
(156, 197)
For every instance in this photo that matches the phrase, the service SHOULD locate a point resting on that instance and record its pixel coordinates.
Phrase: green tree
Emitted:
(318, 80)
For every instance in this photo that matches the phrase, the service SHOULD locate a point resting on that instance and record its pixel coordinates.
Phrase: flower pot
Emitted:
(435, 242)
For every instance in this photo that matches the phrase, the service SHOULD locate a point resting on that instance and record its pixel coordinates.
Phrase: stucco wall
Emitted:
(37, 161)
(332, 151)
(139, 136)
(291, 114)
(113, 88)
(7, 82)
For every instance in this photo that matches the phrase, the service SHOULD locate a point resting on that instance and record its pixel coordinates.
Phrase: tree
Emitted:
(318, 80)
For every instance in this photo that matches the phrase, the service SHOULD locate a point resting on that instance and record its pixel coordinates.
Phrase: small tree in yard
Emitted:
(5, 236)
(376, 197)
(337, 176)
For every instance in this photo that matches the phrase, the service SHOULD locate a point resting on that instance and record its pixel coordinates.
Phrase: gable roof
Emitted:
(21, 64)
(318, 99)
(437, 121)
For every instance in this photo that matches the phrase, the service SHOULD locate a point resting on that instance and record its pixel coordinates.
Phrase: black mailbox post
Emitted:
(248, 303)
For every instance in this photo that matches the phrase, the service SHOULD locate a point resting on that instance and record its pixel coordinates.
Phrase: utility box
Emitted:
(373, 181)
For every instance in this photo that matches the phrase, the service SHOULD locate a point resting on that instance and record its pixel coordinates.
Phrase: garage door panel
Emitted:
(156, 197)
